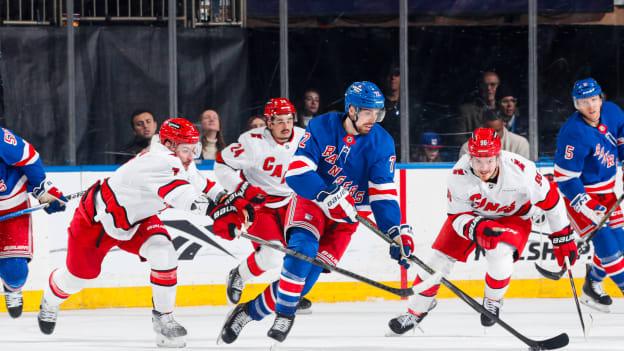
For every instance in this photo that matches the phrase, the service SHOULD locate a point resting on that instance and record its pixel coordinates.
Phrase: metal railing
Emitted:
(192, 13)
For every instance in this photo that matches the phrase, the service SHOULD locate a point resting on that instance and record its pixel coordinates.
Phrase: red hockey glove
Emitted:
(564, 246)
(251, 193)
(589, 207)
(403, 245)
(487, 233)
(49, 194)
(337, 204)
(230, 214)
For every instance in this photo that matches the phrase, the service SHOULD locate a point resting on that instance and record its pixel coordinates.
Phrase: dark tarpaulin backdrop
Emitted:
(118, 69)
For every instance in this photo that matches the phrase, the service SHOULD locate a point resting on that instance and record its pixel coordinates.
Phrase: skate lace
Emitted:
(407, 319)
(491, 306)
(282, 324)
(240, 320)
(169, 326)
(13, 298)
(48, 313)
(597, 288)
(236, 280)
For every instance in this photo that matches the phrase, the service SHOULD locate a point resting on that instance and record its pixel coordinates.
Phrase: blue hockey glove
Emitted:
(49, 194)
(403, 245)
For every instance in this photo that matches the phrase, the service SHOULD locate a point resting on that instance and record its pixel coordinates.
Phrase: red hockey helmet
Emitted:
(484, 142)
(278, 106)
(178, 131)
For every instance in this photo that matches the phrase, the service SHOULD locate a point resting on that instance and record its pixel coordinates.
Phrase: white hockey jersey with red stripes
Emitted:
(260, 160)
(518, 187)
(145, 186)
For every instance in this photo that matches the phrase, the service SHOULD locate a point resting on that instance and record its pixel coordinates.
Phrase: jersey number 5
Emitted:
(568, 153)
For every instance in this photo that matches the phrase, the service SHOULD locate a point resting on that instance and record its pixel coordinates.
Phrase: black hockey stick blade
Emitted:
(553, 343)
(549, 274)
(396, 291)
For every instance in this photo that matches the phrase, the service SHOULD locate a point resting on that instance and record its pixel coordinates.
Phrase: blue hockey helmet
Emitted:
(586, 88)
(365, 95)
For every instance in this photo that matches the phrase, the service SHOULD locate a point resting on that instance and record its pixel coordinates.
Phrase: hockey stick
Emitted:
(556, 342)
(576, 300)
(557, 275)
(299, 255)
(36, 208)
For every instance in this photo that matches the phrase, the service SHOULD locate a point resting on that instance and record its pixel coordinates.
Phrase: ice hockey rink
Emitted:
(453, 325)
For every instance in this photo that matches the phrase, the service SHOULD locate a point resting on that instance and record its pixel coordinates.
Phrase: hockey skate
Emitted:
(281, 326)
(407, 321)
(234, 323)
(47, 317)
(492, 306)
(593, 294)
(169, 333)
(14, 302)
(234, 286)
(304, 306)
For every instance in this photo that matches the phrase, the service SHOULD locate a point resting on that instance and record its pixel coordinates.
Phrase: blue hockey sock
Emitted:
(14, 271)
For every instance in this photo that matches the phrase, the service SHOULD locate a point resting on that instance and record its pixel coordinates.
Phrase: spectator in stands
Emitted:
(310, 108)
(212, 138)
(255, 122)
(507, 105)
(429, 148)
(509, 141)
(392, 121)
(482, 100)
(143, 127)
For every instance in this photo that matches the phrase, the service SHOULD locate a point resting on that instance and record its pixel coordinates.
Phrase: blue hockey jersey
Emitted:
(20, 169)
(364, 164)
(586, 157)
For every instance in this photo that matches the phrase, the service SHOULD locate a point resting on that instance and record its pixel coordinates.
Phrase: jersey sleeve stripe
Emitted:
(562, 174)
(620, 141)
(166, 189)
(602, 187)
(525, 209)
(29, 157)
(380, 197)
(550, 201)
(300, 165)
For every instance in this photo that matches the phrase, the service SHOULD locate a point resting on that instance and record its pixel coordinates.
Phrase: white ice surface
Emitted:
(453, 325)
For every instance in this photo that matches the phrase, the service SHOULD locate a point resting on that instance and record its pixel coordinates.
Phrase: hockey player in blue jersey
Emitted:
(21, 172)
(588, 146)
(344, 161)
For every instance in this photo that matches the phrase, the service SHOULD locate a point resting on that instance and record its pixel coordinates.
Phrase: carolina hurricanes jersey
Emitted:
(146, 185)
(519, 186)
(364, 164)
(260, 160)
(20, 170)
(586, 157)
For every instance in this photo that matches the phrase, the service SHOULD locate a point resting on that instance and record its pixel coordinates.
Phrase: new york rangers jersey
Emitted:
(20, 170)
(586, 157)
(260, 160)
(145, 186)
(364, 164)
(518, 187)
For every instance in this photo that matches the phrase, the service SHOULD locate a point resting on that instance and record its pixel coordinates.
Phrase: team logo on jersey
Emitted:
(607, 159)
(349, 140)
(482, 203)
(175, 170)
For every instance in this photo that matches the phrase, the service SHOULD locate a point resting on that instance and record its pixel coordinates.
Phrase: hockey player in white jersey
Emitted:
(490, 198)
(123, 211)
(256, 165)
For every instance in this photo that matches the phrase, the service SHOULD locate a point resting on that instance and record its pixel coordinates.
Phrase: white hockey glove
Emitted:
(403, 246)
(49, 194)
(337, 204)
(588, 207)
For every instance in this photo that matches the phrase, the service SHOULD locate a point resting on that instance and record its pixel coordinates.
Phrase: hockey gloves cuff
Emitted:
(337, 204)
(487, 233)
(564, 246)
(589, 207)
(49, 194)
(251, 193)
(230, 214)
(403, 245)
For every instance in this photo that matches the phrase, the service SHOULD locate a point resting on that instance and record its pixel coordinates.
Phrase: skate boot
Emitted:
(593, 295)
(281, 326)
(47, 317)
(234, 323)
(407, 321)
(14, 302)
(169, 333)
(234, 286)
(304, 306)
(492, 306)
